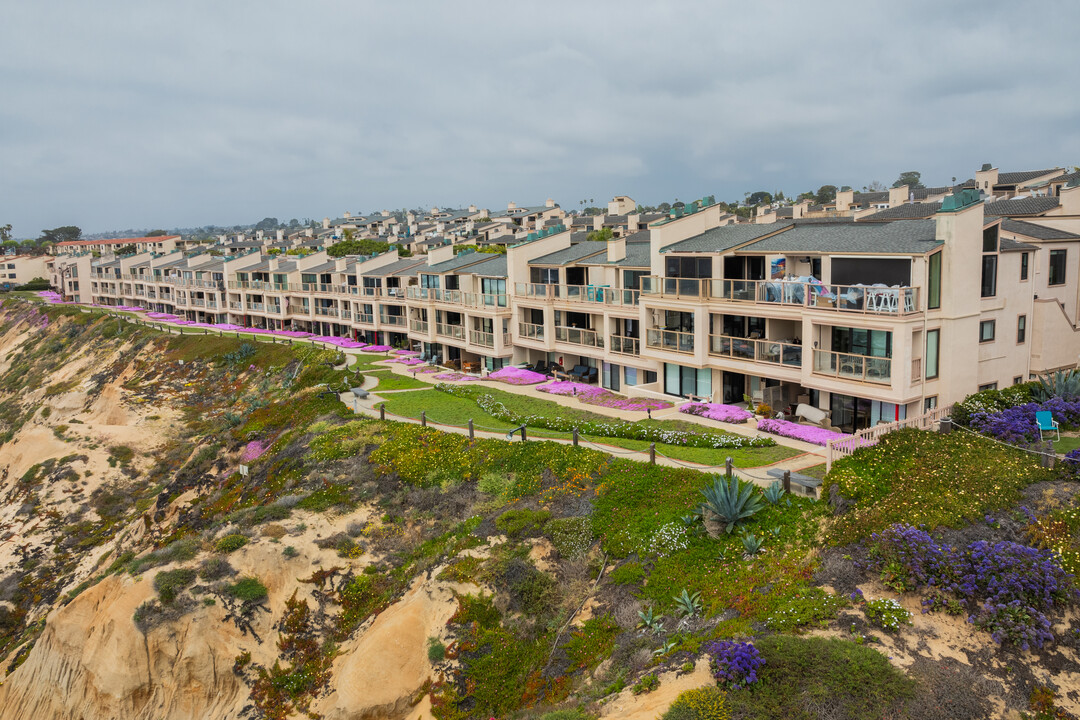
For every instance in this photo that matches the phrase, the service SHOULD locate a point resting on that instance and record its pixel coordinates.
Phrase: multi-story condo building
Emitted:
(872, 316)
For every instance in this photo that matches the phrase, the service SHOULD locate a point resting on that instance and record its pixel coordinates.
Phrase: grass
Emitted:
(446, 409)
(389, 380)
(814, 471)
(1066, 444)
(367, 362)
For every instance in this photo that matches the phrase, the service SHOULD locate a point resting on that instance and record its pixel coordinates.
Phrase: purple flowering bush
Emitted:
(517, 376)
(1005, 588)
(795, 431)
(595, 395)
(253, 450)
(734, 663)
(717, 411)
(1017, 426)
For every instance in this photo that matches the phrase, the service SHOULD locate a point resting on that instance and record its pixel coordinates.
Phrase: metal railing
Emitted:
(757, 350)
(420, 326)
(366, 318)
(481, 338)
(578, 336)
(849, 298)
(577, 293)
(625, 345)
(860, 368)
(399, 320)
(657, 286)
(326, 311)
(673, 340)
(452, 331)
(531, 331)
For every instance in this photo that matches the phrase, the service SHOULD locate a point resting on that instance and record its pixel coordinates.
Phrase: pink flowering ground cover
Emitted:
(595, 395)
(517, 376)
(568, 387)
(407, 352)
(795, 431)
(253, 450)
(717, 411)
(455, 376)
(408, 361)
(339, 342)
(376, 348)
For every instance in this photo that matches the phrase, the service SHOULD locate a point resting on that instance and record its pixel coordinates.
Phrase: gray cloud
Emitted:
(122, 114)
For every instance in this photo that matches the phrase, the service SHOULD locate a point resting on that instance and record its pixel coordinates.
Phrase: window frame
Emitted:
(1021, 329)
(1063, 253)
(1024, 260)
(936, 333)
(988, 289)
(992, 324)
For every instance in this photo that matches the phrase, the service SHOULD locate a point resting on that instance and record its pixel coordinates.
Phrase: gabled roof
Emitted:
(1010, 245)
(1021, 206)
(572, 254)
(117, 241)
(494, 266)
(458, 261)
(725, 237)
(637, 256)
(403, 266)
(1012, 178)
(1037, 232)
(905, 211)
(905, 237)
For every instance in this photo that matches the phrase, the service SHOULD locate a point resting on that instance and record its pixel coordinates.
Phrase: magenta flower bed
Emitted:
(455, 376)
(517, 376)
(425, 370)
(408, 361)
(376, 348)
(292, 333)
(717, 411)
(407, 352)
(227, 326)
(253, 450)
(595, 395)
(567, 387)
(806, 433)
(129, 308)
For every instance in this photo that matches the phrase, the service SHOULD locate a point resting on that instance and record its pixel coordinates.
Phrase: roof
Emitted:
(923, 193)
(117, 241)
(1010, 245)
(637, 256)
(1012, 178)
(903, 237)
(494, 266)
(905, 211)
(872, 196)
(1022, 206)
(1038, 232)
(724, 238)
(404, 266)
(572, 254)
(458, 261)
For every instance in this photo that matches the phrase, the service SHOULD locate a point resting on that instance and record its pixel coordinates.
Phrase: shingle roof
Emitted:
(1012, 178)
(905, 211)
(403, 266)
(494, 266)
(1022, 206)
(923, 193)
(637, 256)
(572, 254)
(1010, 245)
(724, 238)
(1038, 232)
(458, 261)
(871, 196)
(905, 237)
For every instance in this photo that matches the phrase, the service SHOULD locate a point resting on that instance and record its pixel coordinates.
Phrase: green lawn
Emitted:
(1066, 444)
(450, 410)
(365, 362)
(389, 380)
(815, 471)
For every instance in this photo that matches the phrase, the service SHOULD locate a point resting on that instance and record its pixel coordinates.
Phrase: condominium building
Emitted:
(872, 316)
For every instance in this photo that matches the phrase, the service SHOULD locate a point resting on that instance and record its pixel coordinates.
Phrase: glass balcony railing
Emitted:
(398, 320)
(578, 336)
(451, 331)
(577, 293)
(860, 368)
(654, 285)
(481, 338)
(531, 331)
(877, 299)
(673, 340)
(420, 326)
(768, 351)
(625, 345)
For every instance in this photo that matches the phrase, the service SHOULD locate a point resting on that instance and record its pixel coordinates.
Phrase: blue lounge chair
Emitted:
(1047, 423)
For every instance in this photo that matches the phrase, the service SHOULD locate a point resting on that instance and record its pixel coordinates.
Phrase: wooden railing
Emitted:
(842, 447)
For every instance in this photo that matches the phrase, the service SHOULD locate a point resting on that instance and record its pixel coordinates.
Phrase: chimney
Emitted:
(549, 203)
(347, 215)
(280, 234)
(326, 223)
(511, 205)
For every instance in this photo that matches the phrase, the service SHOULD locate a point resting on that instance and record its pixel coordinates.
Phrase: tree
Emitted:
(805, 196)
(875, 186)
(128, 249)
(600, 235)
(351, 246)
(294, 223)
(67, 233)
(825, 194)
(156, 233)
(5, 233)
(759, 197)
(911, 178)
(269, 223)
(664, 207)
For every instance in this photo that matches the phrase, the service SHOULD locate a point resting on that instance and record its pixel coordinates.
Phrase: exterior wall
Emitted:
(21, 269)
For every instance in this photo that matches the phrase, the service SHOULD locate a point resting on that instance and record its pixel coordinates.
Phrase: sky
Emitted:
(117, 114)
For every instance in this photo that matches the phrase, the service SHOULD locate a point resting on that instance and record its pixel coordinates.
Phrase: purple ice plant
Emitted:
(717, 411)
(253, 450)
(795, 431)
(517, 376)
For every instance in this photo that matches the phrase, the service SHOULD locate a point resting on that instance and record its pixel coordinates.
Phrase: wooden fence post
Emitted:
(728, 465)
(652, 453)
(382, 411)
(472, 433)
(575, 437)
(787, 481)
(523, 436)
(423, 418)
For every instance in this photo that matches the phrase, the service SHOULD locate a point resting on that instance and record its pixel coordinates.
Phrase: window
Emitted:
(1021, 328)
(989, 275)
(990, 239)
(988, 386)
(933, 343)
(986, 330)
(934, 282)
(1018, 379)
(1023, 266)
(689, 267)
(544, 276)
(1057, 267)
(930, 403)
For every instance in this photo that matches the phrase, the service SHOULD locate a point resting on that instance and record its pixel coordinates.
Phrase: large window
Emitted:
(857, 341)
(688, 267)
(682, 380)
(1021, 328)
(989, 275)
(544, 276)
(986, 331)
(933, 289)
(1057, 267)
(1024, 266)
(933, 345)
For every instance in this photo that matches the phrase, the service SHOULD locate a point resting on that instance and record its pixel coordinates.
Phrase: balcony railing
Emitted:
(366, 318)
(860, 368)
(198, 302)
(486, 300)
(577, 293)
(625, 345)
(211, 304)
(326, 311)
(300, 310)
(531, 331)
(654, 285)
(481, 338)
(420, 326)
(233, 305)
(578, 336)
(392, 320)
(452, 331)
(673, 340)
(849, 298)
(769, 351)
(255, 307)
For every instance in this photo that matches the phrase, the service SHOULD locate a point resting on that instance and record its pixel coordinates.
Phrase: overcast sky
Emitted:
(121, 115)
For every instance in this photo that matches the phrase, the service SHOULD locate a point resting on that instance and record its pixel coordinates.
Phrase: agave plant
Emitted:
(1064, 384)
(727, 503)
(666, 648)
(774, 492)
(689, 605)
(649, 621)
(751, 544)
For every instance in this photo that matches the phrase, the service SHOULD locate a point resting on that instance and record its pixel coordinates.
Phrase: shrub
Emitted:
(705, 703)
(248, 590)
(645, 685)
(887, 614)
(170, 582)
(734, 664)
(436, 650)
(629, 573)
(521, 523)
(728, 502)
(571, 536)
(215, 568)
(230, 543)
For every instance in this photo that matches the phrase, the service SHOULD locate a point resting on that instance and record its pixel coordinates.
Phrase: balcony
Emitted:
(767, 351)
(486, 300)
(420, 326)
(577, 293)
(847, 298)
(212, 304)
(481, 338)
(531, 331)
(256, 307)
(673, 340)
(326, 311)
(676, 288)
(198, 302)
(392, 320)
(578, 336)
(860, 368)
(365, 318)
(300, 310)
(233, 305)
(625, 345)
(456, 332)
